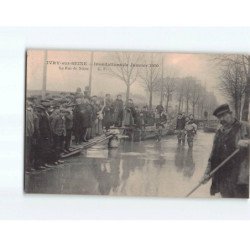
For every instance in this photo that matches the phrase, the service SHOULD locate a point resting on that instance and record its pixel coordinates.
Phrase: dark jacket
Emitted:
(69, 121)
(180, 123)
(29, 123)
(44, 126)
(118, 105)
(87, 113)
(236, 171)
(58, 125)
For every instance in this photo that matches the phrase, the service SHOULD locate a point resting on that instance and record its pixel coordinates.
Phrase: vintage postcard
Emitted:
(137, 124)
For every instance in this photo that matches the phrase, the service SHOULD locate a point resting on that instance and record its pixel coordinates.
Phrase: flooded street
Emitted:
(146, 168)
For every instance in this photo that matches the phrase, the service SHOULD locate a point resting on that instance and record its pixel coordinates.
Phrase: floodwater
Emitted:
(146, 168)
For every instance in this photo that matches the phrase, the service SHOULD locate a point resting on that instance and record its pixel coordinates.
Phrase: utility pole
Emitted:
(90, 71)
(44, 75)
(162, 63)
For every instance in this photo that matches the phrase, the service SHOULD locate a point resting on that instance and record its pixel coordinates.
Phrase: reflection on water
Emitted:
(146, 168)
(184, 161)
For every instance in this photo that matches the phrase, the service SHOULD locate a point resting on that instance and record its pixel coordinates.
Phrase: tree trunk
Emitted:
(179, 105)
(193, 109)
(150, 99)
(167, 101)
(245, 109)
(187, 108)
(236, 109)
(127, 93)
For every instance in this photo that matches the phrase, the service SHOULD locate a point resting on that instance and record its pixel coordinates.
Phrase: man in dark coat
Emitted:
(118, 111)
(78, 120)
(68, 125)
(232, 180)
(59, 132)
(94, 120)
(160, 121)
(108, 112)
(180, 127)
(29, 134)
(87, 118)
(44, 152)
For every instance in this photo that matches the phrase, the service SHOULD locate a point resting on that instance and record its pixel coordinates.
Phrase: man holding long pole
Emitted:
(231, 153)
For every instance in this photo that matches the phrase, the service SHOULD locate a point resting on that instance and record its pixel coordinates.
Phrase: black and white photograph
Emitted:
(136, 123)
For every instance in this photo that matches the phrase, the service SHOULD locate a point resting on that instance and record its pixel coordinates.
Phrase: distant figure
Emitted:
(78, 93)
(95, 109)
(160, 121)
(130, 113)
(118, 111)
(44, 151)
(78, 121)
(180, 128)
(69, 126)
(232, 180)
(29, 138)
(87, 113)
(59, 132)
(190, 129)
(108, 112)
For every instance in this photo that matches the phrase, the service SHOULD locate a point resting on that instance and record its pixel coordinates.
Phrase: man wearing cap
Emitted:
(232, 180)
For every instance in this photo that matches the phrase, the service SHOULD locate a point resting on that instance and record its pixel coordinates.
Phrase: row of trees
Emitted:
(190, 95)
(234, 72)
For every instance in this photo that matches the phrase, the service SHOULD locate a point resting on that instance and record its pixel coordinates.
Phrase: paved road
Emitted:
(146, 168)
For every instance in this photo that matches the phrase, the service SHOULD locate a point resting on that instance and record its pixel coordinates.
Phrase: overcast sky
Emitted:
(196, 65)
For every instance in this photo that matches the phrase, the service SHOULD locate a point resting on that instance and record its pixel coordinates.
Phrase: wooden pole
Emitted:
(214, 171)
(44, 75)
(162, 63)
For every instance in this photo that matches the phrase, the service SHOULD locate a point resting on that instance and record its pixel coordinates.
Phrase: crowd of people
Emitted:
(52, 122)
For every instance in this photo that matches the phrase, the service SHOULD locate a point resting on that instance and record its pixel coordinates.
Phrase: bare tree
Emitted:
(188, 83)
(243, 62)
(195, 94)
(201, 102)
(166, 88)
(233, 85)
(150, 75)
(246, 66)
(180, 93)
(124, 68)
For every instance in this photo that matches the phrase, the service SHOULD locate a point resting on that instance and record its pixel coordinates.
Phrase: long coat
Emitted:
(236, 171)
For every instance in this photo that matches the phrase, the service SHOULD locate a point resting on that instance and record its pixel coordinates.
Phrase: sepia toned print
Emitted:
(137, 124)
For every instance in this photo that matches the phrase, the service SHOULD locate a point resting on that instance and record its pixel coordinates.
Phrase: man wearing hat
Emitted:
(232, 180)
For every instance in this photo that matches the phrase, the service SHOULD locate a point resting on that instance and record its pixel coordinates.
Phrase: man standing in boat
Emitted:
(232, 180)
